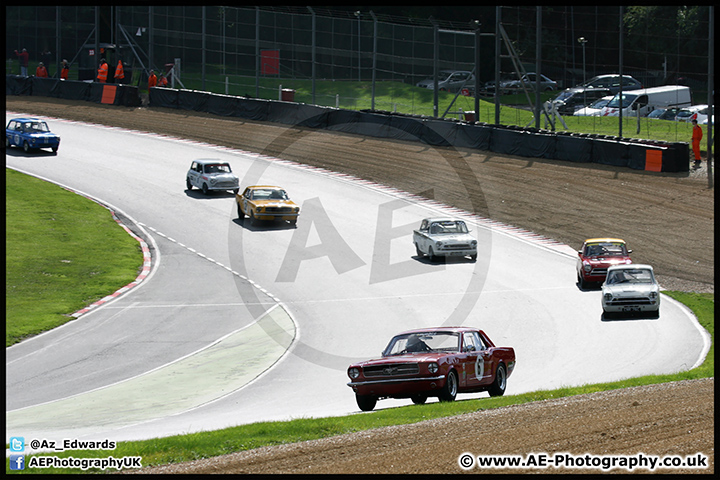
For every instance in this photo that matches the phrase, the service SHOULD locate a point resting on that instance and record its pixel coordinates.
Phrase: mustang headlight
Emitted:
(608, 296)
(433, 367)
(213, 181)
(653, 294)
(473, 243)
(587, 267)
(353, 372)
(438, 244)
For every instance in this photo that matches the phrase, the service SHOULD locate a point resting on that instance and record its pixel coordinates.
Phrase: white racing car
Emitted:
(444, 237)
(630, 289)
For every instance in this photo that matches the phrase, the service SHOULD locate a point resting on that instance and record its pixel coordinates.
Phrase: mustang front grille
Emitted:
(279, 210)
(392, 370)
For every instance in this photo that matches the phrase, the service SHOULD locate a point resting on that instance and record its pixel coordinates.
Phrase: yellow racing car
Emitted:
(265, 202)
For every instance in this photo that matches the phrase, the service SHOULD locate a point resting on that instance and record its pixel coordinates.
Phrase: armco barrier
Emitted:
(509, 140)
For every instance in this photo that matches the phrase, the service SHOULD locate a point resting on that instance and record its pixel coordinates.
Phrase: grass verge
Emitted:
(57, 246)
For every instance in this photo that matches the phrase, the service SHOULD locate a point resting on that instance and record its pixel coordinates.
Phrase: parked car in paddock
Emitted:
(444, 237)
(594, 109)
(30, 134)
(642, 102)
(582, 95)
(571, 99)
(612, 83)
(664, 113)
(693, 112)
(433, 362)
(210, 175)
(596, 256)
(528, 81)
(629, 289)
(266, 202)
(449, 80)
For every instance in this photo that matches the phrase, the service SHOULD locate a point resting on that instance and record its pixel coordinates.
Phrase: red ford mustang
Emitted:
(433, 362)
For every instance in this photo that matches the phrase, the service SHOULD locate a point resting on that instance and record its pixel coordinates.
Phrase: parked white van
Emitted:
(646, 100)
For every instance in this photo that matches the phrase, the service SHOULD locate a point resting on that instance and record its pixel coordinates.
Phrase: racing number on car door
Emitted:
(474, 361)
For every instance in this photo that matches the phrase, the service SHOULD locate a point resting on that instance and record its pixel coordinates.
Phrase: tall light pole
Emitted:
(358, 15)
(582, 41)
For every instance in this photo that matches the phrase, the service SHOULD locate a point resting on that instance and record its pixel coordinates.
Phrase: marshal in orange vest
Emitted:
(102, 71)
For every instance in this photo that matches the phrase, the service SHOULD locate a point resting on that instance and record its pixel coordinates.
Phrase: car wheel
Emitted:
(450, 389)
(26, 147)
(7, 142)
(253, 220)
(366, 402)
(581, 282)
(54, 149)
(473, 258)
(241, 214)
(236, 190)
(431, 255)
(419, 399)
(418, 251)
(498, 386)
(188, 184)
(205, 189)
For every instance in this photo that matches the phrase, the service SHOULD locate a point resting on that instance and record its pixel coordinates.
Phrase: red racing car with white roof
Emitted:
(596, 256)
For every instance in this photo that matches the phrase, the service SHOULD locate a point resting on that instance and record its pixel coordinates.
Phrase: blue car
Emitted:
(30, 133)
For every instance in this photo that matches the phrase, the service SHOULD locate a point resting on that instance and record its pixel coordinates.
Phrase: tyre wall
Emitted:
(108, 93)
(637, 154)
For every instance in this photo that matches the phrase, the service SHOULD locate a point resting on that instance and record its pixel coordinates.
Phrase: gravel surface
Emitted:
(656, 420)
(667, 219)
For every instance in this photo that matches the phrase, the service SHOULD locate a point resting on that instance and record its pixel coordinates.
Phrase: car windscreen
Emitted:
(423, 342)
(605, 249)
(32, 127)
(269, 194)
(454, 226)
(630, 275)
(600, 103)
(627, 100)
(217, 168)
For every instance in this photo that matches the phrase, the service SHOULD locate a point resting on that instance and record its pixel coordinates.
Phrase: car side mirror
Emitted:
(579, 253)
(629, 252)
